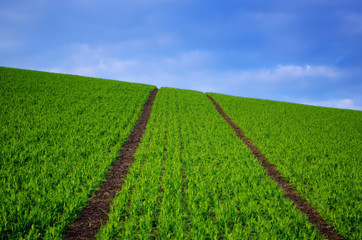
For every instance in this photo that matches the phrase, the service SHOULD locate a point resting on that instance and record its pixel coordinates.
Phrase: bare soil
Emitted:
(290, 192)
(95, 213)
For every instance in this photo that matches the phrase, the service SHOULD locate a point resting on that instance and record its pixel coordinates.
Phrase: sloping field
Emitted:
(95, 214)
(194, 179)
(318, 150)
(58, 136)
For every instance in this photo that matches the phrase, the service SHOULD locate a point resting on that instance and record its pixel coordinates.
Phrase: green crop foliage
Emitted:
(58, 136)
(318, 150)
(193, 178)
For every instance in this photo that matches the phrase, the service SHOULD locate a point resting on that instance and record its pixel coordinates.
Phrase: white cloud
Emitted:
(189, 70)
(304, 71)
(101, 61)
(302, 76)
(340, 103)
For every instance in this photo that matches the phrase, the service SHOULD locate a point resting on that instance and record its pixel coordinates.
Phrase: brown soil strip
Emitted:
(290, 192)
(94, 214)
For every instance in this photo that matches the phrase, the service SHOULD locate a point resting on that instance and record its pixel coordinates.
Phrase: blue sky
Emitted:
(306, 51)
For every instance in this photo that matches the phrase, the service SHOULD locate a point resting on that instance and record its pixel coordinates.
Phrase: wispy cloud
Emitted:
(100, 61)
(339, 103)
(267, 50)
(193, 70)
(283, 74)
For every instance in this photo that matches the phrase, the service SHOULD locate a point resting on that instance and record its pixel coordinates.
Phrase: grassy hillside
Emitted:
(58, 136)
(192, 176)
(318, 150)
(194, 179)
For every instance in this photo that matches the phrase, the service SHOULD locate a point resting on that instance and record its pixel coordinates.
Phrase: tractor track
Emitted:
(290, 192)
(94, 215)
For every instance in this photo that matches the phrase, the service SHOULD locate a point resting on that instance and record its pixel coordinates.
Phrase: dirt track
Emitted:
(95, 213)
(313, 216)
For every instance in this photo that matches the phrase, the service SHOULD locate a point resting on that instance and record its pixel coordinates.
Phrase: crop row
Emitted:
(58, 136)
(194, 179)
(318, 150)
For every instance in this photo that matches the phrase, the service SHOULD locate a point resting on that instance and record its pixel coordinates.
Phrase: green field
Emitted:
(58, 136)
(192, 178)
(318, 150)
